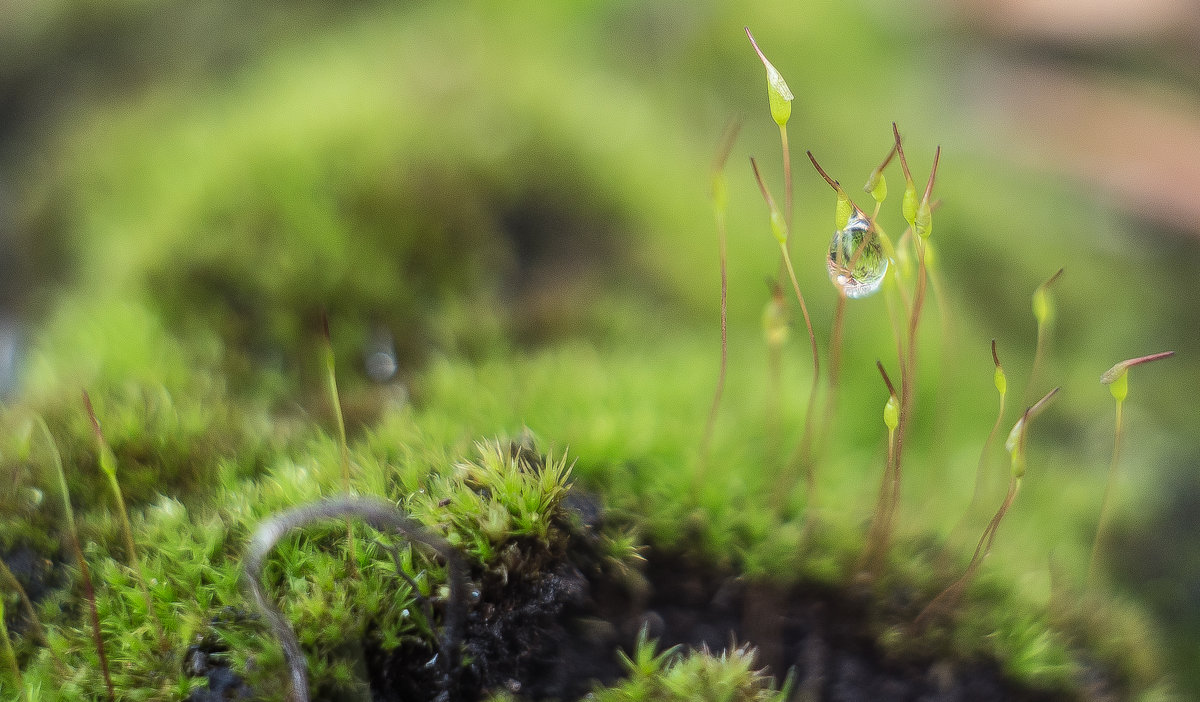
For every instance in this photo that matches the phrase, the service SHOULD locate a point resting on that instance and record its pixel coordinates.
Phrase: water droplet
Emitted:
(379, 356)
(856, 262)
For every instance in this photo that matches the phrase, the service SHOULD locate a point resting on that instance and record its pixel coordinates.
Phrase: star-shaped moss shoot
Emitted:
(1117, 380)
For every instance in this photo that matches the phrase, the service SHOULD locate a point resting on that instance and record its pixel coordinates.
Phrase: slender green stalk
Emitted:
(839, 316)
(1044, 313)
(10, 656)
(878, 535)
(787, 176)
(1001, 383)
(84, 573)
(919, 222)
(947, 360)
(779, 229)
(1105, 511)
(720, 200)
(835, 337)
(1117, 380)
(108, 465)
(1016, 446)
(775, 326)
(949, 597)
(335, 402)
(908, 372)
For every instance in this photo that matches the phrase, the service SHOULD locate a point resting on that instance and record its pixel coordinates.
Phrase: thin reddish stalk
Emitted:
(948, 597)
(1102, 523)
(806, 439)
(877, 534)
(787, 177)
(89, 593)
(731, 132)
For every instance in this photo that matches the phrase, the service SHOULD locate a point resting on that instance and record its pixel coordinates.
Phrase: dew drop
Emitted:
(379, 356)
(856, 262)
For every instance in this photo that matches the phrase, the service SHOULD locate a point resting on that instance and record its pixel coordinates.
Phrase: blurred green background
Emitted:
(184, 187)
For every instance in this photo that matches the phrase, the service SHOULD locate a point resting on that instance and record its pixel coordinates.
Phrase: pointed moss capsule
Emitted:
(778, 226)
(909, 204)
(923, 223)
(891, 410)
(1117, 377)
(843, 210)
(876, 185)
(910, 201)
(998, 377)
(1043, 303)
(778, 93)
(1016, 438)
(891, 413)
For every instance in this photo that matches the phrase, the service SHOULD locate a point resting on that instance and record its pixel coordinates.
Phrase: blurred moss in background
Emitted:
(186, 187)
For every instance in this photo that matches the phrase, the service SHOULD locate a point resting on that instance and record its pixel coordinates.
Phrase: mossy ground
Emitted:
(532, 235)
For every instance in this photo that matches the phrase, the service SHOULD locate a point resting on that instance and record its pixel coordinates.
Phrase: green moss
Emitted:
(674, 675)
(406, 180)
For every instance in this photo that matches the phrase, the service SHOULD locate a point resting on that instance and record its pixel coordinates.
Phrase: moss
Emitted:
(407, 183)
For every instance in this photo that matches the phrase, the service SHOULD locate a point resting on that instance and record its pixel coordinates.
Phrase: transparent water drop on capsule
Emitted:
(856, 261)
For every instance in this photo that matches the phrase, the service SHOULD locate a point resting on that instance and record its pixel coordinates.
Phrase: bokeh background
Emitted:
(195, 182)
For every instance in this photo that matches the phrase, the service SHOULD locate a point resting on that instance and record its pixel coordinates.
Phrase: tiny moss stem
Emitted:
(711, 422)
(335, 402)
(947, 362)
(1105, 509)
(774, 417)
(719, 199)
(805, 449)
(981, 467)
(835, 362)
(787, 176)
(836, 339)
(908, 383)
(1044, 314)
(108, 465)
(949, 597)
(876, 546)
(10, 657)
(84, 573)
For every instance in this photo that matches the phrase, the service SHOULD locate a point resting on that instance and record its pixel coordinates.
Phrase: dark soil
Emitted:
(37, 575)
(554, 633)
